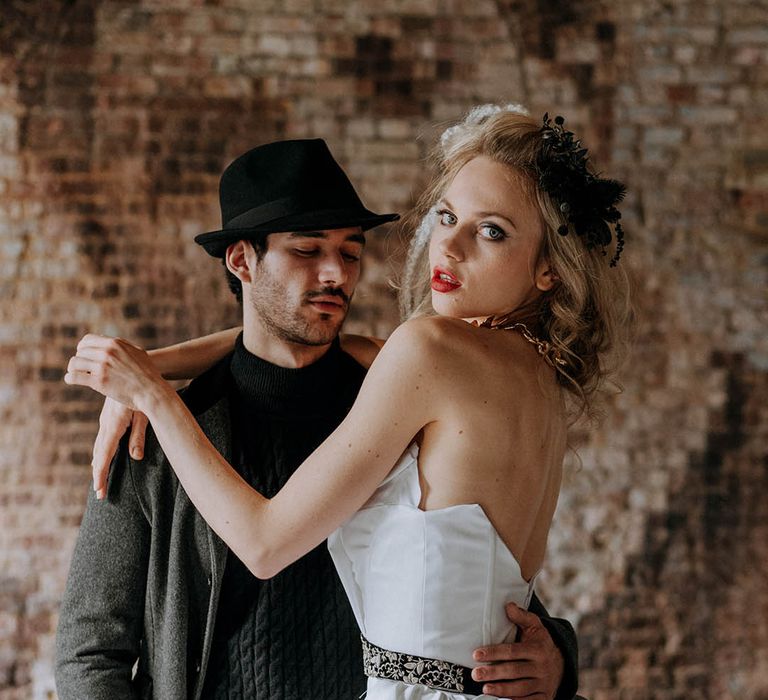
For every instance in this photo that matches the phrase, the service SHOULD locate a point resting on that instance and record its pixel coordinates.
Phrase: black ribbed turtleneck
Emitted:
(304, 391)
(292, 636)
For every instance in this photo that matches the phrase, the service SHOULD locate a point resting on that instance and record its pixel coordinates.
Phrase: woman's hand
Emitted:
(117, 369)
(125, 374)
(114, 420)
(98, 364)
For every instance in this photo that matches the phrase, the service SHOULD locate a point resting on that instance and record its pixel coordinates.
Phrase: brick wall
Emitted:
(116, 119)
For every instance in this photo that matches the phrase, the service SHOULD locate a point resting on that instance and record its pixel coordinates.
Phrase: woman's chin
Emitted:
(451, 308)
(446, 311)
(445, 306)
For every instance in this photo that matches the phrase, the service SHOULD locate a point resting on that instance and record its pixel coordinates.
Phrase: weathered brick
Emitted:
(709, 115)
(750, 35)
(664, 136)
(110, 149)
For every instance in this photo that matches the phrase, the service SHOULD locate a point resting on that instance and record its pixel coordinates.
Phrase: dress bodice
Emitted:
(428, 583)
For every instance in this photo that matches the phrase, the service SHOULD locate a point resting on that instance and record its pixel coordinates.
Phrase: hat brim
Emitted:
(216, 243)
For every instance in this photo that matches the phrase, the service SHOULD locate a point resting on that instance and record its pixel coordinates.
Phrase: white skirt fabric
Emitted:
(383, 689)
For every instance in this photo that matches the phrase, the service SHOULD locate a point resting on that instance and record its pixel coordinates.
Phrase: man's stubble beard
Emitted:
(270, 299)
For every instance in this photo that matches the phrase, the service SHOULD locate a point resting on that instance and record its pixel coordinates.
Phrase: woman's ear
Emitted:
(546, 278)
(238, 260)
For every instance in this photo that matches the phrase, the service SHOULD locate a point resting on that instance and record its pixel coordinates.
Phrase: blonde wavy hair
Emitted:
(586, 316)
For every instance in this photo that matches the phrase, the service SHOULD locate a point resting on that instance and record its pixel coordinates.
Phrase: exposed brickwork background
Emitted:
(116, 119)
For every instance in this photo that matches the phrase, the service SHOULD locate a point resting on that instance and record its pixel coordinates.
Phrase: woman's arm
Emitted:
(395, 402)
(191, 358)
(183, 360)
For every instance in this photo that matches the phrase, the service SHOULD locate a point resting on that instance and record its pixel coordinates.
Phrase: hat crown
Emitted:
(286, 186)
(302, 170)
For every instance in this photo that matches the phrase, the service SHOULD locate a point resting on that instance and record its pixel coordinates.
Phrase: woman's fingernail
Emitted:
(137, 453)
(479, 655)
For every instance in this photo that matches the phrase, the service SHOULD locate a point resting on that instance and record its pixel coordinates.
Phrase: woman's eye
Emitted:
(305, 252)
(350, 258)
(447, 218)
(492, 233)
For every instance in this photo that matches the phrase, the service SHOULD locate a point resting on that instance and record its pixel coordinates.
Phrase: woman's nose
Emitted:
(451, 244)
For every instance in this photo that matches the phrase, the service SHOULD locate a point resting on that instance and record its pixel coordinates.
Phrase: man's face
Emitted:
(302, 286)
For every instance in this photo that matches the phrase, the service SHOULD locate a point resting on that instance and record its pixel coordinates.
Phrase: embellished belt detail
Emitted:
(418, 670)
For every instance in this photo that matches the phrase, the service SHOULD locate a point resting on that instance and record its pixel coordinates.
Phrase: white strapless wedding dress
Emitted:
(427, 583)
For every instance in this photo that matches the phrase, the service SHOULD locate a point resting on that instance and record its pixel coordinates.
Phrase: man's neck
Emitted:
(283, 353)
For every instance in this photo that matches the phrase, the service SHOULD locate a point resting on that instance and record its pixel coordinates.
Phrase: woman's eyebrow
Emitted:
(500, 216)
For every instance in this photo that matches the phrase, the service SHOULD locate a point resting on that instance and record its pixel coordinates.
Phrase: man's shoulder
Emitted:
(360, 348)
(209, 388)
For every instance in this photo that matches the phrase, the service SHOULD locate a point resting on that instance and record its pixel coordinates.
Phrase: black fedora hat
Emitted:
(286, 186)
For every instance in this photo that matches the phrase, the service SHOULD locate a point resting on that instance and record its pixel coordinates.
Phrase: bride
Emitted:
(514, 314)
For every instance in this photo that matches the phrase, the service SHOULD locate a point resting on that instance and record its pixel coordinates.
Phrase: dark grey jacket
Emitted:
(146, 575)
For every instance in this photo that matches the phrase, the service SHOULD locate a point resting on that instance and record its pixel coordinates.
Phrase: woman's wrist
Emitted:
(153, 396)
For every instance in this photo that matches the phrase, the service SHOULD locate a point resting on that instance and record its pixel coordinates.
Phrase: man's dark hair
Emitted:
(236, 287)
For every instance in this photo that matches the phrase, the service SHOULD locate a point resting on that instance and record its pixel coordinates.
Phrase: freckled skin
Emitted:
(487, 382)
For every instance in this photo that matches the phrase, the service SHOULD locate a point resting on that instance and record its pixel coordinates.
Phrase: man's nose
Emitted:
(333, 271)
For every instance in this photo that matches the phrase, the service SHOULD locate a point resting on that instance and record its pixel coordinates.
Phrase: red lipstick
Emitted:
(443, 281)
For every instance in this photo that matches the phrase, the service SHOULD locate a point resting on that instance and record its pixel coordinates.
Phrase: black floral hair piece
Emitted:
(587, 201)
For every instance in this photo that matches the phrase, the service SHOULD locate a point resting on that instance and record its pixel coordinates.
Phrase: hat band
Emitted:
(281, 208)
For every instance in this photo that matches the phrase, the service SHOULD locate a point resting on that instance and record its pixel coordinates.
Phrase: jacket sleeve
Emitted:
(564, 637)
(101, 618)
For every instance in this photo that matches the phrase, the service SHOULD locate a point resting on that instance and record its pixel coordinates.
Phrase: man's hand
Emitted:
(114, 420)
(531, 667)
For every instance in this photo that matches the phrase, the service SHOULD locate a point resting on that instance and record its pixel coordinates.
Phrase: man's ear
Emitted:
(239, 260)
(546, 277)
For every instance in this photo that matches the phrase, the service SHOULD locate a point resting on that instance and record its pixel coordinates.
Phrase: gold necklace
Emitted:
(549, 352)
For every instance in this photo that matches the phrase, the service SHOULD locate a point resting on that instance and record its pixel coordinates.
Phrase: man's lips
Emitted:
(443, 281)
(325, 302)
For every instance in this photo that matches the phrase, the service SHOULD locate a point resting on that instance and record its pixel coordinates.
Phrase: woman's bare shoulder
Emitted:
(451, 346)
(436, 342)
(362, 348)
(426, 332)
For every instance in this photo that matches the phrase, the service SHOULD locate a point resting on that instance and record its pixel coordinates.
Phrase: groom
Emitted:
(151, 583)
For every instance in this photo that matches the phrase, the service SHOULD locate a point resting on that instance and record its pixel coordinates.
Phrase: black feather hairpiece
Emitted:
(587, 201)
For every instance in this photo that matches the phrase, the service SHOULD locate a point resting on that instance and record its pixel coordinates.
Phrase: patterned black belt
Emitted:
(418, 670)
